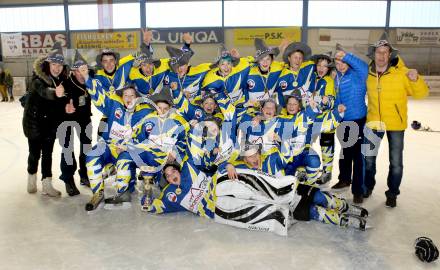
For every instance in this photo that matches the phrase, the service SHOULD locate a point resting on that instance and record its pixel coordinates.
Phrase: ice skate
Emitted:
(96, 200)
(119, 201)
(355, 210)
(324, 178)
(353, 221)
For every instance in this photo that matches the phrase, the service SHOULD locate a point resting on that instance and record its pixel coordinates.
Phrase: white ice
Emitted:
(37, 232)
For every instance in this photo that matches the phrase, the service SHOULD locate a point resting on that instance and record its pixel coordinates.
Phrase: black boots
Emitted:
(368, 193)
(341, 185)
(391, 202)
(358, 199)
(71, 187)
(84, 181)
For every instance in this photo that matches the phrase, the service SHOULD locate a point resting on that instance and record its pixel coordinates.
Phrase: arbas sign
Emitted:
(34, 44)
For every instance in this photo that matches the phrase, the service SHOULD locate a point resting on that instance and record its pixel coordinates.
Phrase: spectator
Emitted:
(78, 109)
(350, 88)
(6, 83)
(389, 84)
(41, 117)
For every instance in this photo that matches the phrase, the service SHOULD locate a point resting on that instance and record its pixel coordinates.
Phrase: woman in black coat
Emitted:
(42, 115)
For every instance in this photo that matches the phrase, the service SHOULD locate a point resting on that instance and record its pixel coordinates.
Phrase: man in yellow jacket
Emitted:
(389, 84)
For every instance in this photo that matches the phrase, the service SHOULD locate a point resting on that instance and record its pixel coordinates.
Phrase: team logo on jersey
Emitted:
(149, 127)
(171, 196)
(198, 113)
(118, 113)
(251, 84)
(283, 85)
(166, 80)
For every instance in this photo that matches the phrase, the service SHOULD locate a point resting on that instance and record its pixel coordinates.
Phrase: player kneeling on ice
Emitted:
(125, 110)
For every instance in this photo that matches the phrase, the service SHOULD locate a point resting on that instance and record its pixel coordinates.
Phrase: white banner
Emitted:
(11, 44)
(345, 37)
(418, 36)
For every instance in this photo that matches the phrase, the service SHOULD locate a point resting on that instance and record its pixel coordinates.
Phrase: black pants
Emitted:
(41, 147)
(68, 162)
(351, 164)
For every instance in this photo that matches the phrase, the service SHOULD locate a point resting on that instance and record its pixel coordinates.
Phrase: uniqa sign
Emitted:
(199, 35)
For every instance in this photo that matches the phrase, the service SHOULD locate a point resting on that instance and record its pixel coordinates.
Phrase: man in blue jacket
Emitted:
(350, 85)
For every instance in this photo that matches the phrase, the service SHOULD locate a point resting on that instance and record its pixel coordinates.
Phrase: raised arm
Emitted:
(99, 97)
(184, 108)
(415, 85)
(359, 66)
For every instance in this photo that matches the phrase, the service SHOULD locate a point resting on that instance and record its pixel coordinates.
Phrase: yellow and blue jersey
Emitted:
(325, 86)
(119, 78)
(260, 86)
(164, 133)
(291, 130)
(194, 194)
(272, 163)
(316, 122)
(150, 84)
(233, 84)
(295, 132)
(304, 79)
(260, 134)
(186, 109)
(190, 111)
(122, 124)
(327, 121)
(191, 83)
(208, 152)
(156, 138)
(299, 135)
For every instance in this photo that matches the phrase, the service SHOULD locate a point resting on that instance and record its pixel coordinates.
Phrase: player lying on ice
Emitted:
(244, 195)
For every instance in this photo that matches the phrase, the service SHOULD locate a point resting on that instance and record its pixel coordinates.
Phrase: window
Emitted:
(415, 14)
(184, 14)
(347, 13)
(263, 13)
(126, 15)
(22, 19)
(83, 17)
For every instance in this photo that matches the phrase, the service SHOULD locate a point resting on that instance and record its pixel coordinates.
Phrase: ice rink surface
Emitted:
(37, 232)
